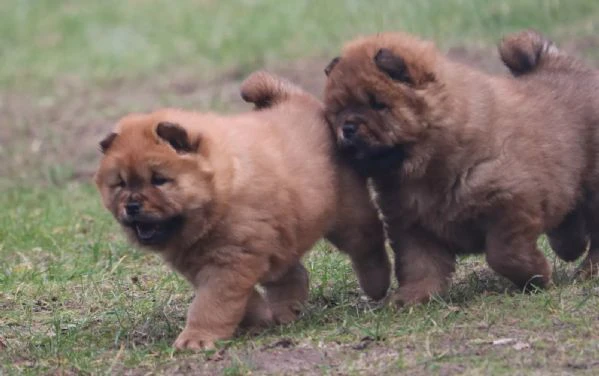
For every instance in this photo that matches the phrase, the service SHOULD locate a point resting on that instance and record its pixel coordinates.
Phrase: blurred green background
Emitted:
(45, 39)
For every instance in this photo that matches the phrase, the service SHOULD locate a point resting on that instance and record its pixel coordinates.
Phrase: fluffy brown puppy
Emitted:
(542, 67)
(461, 161)
(235, 201)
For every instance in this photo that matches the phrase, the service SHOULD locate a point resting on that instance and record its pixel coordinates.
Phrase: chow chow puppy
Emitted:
(464, 162)
(235, 201)
(541, 66)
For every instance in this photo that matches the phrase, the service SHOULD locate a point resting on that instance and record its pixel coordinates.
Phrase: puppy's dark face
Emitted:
(375, 99)
(152, 180)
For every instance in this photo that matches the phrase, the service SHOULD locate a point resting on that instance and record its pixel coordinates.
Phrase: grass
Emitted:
(75, 298)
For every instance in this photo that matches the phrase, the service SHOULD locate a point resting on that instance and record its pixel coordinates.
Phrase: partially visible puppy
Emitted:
(462, 162)
(235, 201)
(542, 67)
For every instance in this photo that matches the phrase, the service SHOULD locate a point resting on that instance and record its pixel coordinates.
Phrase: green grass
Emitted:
(75, 298)
(46, 40)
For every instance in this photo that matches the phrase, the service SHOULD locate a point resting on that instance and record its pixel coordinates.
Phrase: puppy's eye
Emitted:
(375, 104)
(158, 180)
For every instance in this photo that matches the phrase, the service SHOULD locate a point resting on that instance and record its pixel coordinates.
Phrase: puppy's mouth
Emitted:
(372, 160)
(151, 232)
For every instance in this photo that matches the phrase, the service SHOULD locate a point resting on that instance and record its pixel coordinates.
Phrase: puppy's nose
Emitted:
(349, 130)
(132, 207)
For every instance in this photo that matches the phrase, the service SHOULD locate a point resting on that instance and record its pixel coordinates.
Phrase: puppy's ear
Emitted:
(177, 137)
(331, 65)
(393, 65)
(106, 142)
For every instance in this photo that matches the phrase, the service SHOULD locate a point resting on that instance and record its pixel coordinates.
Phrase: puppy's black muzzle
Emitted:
(132, 208)
(349, 130)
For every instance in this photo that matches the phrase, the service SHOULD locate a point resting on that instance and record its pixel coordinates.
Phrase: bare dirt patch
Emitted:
(299, 359)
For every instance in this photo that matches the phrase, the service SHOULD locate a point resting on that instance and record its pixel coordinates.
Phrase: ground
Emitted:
(76, 298)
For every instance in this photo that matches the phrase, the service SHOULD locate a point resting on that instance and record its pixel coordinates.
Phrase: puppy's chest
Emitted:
(459, 225)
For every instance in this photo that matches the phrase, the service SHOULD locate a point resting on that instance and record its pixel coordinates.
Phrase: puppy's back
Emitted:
(296, 116)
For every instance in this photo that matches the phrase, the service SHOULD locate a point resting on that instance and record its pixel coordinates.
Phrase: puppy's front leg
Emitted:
(219, 305)
(511, 249)
(423, 266)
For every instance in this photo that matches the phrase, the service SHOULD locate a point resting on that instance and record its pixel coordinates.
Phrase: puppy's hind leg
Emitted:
(511, 250)
(359, 232)
(257, 313)
(287, 295)
(366, 248)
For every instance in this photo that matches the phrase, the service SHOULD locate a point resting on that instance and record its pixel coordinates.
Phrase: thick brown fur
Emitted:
(541, 66)
(464, 162)
(235, 201)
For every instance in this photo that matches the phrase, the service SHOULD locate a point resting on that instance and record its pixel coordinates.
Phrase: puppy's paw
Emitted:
(193, 340)
(415, 293)
(257, 318)
(374, 279)
(537, 283)
(286, 312)
(399, 300)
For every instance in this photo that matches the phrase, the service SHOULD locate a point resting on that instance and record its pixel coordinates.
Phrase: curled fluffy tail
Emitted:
(265, 90)
(524, 51)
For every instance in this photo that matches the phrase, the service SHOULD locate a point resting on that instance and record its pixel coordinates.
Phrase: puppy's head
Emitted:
(376, 97)
(155, 179)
